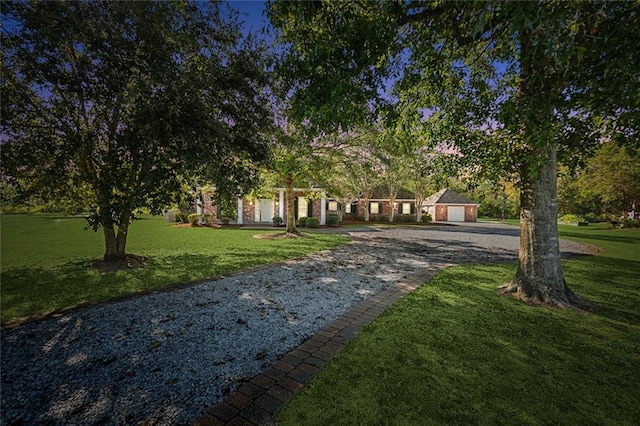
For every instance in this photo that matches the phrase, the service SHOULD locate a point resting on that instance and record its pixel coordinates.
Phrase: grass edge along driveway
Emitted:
(46, 259)
(452, 352)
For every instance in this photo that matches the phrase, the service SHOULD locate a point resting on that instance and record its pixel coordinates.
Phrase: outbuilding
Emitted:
(447, 205)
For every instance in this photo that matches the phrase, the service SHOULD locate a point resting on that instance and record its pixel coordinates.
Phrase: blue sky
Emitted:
(251, 12)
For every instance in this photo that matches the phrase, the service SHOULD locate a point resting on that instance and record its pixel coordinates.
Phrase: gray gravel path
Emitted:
(165, 358)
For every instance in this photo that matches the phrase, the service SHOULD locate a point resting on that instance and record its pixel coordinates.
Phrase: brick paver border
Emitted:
(259, 400)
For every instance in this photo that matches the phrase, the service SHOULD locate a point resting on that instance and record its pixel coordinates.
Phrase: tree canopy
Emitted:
(611, 178)
(125, 104)
(509, 85)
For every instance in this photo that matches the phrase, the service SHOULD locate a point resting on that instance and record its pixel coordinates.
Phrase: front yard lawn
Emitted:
(46, 259)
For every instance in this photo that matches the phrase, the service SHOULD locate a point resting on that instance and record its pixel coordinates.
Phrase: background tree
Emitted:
(613, 177)
(292, 156)
(498, 200)
(428, 172)
(301, 161)
(512, 84)
(342, 184)
(574, 199)
(366, 170)
(129, 101)
(392, 152)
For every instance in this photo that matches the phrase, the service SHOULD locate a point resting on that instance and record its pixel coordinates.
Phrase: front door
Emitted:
(266, 210)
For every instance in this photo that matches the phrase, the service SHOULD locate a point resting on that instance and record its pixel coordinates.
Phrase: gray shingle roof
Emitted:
(447, 196)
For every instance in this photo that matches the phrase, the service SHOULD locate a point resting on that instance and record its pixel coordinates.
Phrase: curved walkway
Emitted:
(165, 358)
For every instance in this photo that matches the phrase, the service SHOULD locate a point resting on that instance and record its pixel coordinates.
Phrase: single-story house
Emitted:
(379, 205)
(263, 210)
(252, 210)
(447, 205)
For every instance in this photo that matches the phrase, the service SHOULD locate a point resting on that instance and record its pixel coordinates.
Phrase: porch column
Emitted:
(239, 221)
(323, 209)
(281, 204)
(200, 205)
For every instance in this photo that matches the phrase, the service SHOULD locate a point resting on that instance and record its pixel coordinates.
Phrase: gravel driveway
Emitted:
(165, 358)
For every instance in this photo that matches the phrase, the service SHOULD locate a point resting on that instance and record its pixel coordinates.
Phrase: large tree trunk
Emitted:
(291, 214)
(116, 242)
(539, 278)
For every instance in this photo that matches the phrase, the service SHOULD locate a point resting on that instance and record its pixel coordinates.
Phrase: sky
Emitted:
(251, 12)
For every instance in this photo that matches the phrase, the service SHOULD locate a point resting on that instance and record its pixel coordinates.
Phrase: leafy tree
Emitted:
(497, 200)
(511, 85)
(299, 160)
(575, 199)
(392, 155)
(365, 169)
(128, 102)
(341, 183)
(292, 155)
(613, 177)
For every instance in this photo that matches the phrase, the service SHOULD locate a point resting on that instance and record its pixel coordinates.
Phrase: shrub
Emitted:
(225, 220)
(333, 220)
(405, 218)
(302, 221)
(193, 219)
(426, 218)
(631, 223)
(360, 218)
(573, 218)
(594, 217)
(180, 217)
(277, 221)
(228, 209)
(313, 222)
(16, 209)
(208, 218)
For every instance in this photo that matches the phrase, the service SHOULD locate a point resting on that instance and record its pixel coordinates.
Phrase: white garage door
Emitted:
(455, 214)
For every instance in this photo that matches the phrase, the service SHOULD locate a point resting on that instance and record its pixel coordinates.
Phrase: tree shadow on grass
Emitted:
(626, 239)
(29, 291)
(615, 288)
(37, 291)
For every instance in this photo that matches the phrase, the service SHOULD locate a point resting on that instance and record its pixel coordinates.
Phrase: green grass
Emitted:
(46, 259)
(453, 352)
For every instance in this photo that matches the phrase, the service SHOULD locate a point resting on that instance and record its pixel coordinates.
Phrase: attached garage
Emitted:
(447, 205)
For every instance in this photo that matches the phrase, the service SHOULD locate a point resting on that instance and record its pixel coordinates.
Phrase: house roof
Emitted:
(447, 196)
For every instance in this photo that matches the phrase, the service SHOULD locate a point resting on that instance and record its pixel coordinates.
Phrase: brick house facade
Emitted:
(446, 205)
